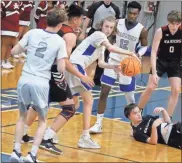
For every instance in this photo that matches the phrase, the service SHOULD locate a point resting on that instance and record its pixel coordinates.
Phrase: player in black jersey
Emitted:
(152, 129)
(165, 58)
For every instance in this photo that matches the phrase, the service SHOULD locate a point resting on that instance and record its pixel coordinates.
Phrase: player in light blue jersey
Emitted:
(43, 47)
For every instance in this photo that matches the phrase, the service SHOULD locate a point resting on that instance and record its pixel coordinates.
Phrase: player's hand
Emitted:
(155, 79)
(87, 80)
(157, 122)
(137, 57)
(117, 68)
(157, 110)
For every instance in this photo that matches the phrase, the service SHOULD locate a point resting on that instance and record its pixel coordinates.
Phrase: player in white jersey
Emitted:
(88, 51)
(33, 85)
(129, 34)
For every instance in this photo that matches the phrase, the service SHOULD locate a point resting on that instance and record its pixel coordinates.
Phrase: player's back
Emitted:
(42, 50)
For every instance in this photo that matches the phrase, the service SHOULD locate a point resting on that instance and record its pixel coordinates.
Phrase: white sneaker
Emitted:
(96, 129)
(30, 158)
(5, 65)
(8, 62)
(87, 142)
(16, 56)
(16, 157)
(23, 55)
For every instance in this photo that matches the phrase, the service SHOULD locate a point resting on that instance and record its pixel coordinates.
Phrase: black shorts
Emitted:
(59, 91)
(171, 67)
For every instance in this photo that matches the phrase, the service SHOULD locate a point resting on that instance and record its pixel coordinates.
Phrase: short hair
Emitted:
(75, 11)
(134, 4)
(128, 109)
(174, 16)
(55, 17)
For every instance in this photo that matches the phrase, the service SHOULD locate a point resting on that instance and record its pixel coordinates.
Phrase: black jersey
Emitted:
(170, 47)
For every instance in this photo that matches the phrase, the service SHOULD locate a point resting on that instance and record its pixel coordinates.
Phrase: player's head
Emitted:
(133, 10)
(174, 20)
(75, 15)
(107, 25)
(55, 18)
(133, 113)
(107, 2)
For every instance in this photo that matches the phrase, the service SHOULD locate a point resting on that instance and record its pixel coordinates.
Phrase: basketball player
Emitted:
(59, 89)
(33, 85)
(165, 58)
(88, 51)
(152, 129)
(129, 34)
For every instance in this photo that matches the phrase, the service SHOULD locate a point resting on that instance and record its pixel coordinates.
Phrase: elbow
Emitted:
(110, 48)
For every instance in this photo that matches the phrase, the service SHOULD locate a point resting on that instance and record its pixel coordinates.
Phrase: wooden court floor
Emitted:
(116, 143)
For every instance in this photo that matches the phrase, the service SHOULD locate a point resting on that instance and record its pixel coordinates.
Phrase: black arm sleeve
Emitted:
(116, 9)
(141, 137)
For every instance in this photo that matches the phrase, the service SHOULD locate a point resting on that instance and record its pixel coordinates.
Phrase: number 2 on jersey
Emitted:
(171, 49)
(42, 48)
(124, 44)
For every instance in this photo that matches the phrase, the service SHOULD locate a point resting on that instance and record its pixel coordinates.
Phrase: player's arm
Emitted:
(116, 49)
(102, 62)
(21, 45)
(153, 139)
(144, 42)
(155, 46)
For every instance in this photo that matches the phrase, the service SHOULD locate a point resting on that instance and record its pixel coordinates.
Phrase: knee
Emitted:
(175, 91)
(68, 111)
(150, 88)
(104, 93)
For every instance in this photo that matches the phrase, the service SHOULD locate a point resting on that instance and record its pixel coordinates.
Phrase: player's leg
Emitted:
(144, 98)
(174, 74)
(24, 99)
(85, 140)
(107, 81)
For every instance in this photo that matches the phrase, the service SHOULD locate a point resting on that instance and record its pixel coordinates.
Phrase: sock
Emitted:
(100, 118)
(25, 129)
(49, 134)
(86, 133)
(34, 150)
(17, 147)
(130, 97)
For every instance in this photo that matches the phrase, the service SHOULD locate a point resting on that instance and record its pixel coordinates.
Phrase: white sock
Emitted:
(100, 118)
(25, 129)
(34, 150)
(17, 147)
(49, 134)
(130, 97)
(86, 133)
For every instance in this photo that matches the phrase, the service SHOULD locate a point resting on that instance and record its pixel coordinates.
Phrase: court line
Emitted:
(80, 149)
(95, 98)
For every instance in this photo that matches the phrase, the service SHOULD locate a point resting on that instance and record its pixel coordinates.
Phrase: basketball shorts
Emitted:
(59, 88)
(171, 67)
(76, 85)
(33, 90)
(109, 77)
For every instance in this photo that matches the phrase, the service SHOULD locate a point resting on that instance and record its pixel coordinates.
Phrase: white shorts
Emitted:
(75, 84)
(126, 83)
(33, 90)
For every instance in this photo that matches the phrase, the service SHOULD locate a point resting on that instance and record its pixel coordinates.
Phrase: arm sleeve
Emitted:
(99, 38)
(24, 41)
(117, 11)
(62, 53)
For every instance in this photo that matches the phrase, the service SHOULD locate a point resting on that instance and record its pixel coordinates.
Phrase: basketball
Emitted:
(131, 66)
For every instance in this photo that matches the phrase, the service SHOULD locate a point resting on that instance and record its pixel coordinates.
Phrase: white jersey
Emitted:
(89, 50)
(42, 49)
(126, 39)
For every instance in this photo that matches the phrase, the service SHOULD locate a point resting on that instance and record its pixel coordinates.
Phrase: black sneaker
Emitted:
(49, 146)
(16, 157)
(27, 139)
(31, 158)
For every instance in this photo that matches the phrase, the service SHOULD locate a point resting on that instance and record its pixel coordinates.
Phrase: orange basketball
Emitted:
(131, 66)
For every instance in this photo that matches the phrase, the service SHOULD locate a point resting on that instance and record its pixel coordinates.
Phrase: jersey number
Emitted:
(42, 48)
(171, 49)
(124, 44)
